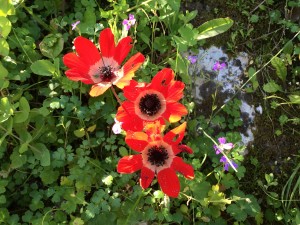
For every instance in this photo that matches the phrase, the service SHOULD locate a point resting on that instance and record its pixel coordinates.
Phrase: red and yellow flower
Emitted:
(155, 101)
(102, 69)
(158, 156)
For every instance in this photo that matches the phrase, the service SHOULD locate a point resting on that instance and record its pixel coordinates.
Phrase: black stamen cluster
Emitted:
(157, 155)
(150, 104)
(106, 73)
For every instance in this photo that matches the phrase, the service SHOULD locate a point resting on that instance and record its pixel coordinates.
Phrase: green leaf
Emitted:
(144, 37)
(123, 151)
(41, 153)
(52, 45)
(48, 175)
(280, 67)
(108, 180)
(254, 18)
(43, 68)
(188, 34)
(89, 20)
(214, 27)
(23, 114)
(4, 47)
(6, 8)
(77, 221)
(6, 109)
(179, 65)
(23, 147)
(4, 83)
(240, 172)
(236, 212)
(4, 214)
(228, 180)
(188, 16)
(17, 159)
(5, 26)
(295, 99)
(79, 133)
(271, 87)
(288, 48)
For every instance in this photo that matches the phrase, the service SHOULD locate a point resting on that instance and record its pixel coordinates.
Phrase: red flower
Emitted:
(150, 102)
(157, 157)
(102, 68)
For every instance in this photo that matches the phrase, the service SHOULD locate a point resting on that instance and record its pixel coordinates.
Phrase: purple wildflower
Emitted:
(75, 24)
(117, 127)
(128, 23)
(219, 66)
(226, 163)
(223, 145)
(192, 58)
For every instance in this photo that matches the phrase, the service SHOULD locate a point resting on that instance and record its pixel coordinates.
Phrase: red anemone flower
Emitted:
(151, 102)
(157, 157)
(102, 69)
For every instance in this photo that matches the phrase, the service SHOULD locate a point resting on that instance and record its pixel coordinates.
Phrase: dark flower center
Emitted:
(106, 73)
(150, 104)
(157, 155)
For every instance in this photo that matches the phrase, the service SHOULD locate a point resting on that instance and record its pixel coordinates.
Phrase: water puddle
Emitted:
(227, 81)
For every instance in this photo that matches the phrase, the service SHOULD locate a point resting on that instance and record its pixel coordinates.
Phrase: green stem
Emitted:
(21, 45)
(138, 6)
(115, 94)
(228, 160)
(118, 99)
(133, 207)
(39, 20)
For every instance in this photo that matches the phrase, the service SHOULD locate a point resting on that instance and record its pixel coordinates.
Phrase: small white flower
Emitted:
(117, 127)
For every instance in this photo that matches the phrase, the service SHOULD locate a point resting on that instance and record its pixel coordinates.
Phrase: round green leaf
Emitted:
(79, 133)
(17, 159)
(52, 45)
(123, 151)
(23, 113)
(6, 8)
(6, 109)
(272, 87)
(5, 26)
(4, 47)
(41, 153)
(23, 148)
(3, 74)
(43, 68)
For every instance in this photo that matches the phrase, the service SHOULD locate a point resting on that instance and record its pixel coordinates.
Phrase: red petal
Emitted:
(107, 43)
(175, 91)
(126, 114)
(75, 75)
(133, 63)
(86, 50)
(169, 182)
(175, 111)
(71, 60)
(147, 176)
(185, 148)
(122, 49)
(130, 164)
(185, 169)
(162, 80)
(176, 135)
(136, 140)
(132, 91)
(129, 68)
